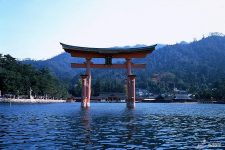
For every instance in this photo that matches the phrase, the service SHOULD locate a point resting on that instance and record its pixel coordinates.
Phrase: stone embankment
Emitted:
(31, 101)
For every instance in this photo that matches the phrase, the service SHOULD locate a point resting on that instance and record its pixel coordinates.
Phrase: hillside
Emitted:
(191, 66)
(195, 67)
(58, 65)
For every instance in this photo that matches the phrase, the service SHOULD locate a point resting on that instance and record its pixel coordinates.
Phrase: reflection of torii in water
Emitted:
(86, 121)
(108, 54)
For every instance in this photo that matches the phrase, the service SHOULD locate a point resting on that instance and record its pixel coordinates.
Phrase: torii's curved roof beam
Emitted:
(88, 52)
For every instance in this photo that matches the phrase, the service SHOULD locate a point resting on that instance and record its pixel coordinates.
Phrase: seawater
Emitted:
(112, 126)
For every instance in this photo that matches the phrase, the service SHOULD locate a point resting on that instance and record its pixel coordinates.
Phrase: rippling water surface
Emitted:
(112, 126)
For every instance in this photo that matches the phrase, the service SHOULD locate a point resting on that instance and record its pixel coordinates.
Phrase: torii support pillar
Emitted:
(84, 97)
(131, 91)
(88, 73)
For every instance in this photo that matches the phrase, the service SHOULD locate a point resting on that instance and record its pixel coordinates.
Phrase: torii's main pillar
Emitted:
(88, 88)
(84, 97)
(131, 93)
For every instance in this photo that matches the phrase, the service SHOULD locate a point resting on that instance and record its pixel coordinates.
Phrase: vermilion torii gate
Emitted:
(108, 54)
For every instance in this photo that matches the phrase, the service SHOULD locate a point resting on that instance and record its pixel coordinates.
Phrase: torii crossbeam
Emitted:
(108, 54)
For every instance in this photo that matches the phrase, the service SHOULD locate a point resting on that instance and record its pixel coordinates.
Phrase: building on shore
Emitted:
(112, 97)
(143, 93)
(181, 95)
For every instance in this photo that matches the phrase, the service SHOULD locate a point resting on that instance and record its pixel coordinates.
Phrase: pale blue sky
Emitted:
(34, 28)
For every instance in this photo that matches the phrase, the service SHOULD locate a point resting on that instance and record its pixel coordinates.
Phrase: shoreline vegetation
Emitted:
(21, 81)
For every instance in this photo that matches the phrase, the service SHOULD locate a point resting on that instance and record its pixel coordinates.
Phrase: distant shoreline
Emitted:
(31, 101)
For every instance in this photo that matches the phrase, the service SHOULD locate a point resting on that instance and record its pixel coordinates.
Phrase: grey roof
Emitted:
(70, 48)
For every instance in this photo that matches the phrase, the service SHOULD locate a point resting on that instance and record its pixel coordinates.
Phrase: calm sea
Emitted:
(112, 126)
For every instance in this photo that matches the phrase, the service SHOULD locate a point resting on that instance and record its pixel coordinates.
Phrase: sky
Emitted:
(34, 28)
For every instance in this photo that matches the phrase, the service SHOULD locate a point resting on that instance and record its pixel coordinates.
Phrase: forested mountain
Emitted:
(194, 66)
(58, 65)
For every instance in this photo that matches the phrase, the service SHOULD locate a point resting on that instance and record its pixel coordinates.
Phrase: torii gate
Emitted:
(108, 54)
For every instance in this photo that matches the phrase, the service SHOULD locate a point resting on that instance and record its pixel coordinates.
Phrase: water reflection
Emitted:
(129, 119)
(86, 123)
